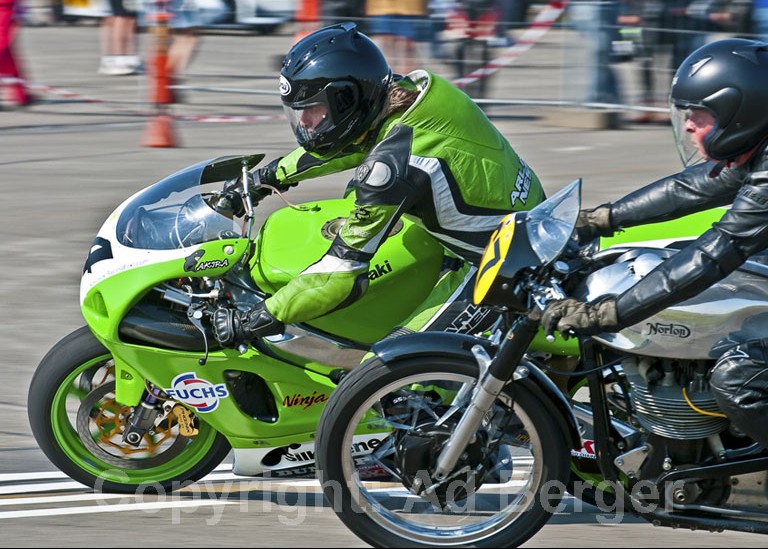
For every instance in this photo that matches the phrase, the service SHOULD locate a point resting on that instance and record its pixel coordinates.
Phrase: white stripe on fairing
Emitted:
(332, 264)
(456, 242)
(448, 216)
(451, 299)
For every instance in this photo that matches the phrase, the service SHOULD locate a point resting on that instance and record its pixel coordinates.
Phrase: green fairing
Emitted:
(109, 300)
(690, 226)
(402, 272)
(296, 420)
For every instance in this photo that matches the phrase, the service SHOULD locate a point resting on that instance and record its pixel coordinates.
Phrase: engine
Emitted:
(671, 398)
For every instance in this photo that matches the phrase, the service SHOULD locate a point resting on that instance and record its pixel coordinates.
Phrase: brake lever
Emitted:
(195, 313)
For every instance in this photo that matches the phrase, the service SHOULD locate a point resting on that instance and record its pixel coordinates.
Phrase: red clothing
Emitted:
(9, 66)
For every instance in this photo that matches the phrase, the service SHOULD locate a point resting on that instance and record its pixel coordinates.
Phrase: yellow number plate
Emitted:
(493, 257)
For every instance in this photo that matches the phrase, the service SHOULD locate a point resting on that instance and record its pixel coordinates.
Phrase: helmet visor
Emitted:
(692, 125)
(322, 122)
(309, 120)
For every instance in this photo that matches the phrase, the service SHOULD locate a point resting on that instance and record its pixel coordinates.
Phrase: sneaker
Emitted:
(115, 65)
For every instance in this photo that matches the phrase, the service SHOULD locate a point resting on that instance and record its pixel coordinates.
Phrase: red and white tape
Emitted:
(538, 28)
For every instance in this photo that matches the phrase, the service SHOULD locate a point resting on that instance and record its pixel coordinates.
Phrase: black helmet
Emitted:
(337, 78)
(728, 78)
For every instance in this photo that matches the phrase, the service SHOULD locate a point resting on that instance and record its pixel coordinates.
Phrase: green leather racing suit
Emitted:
(443, 164)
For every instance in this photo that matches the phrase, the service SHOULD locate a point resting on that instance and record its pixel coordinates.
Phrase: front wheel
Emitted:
(79, 426)
(385, 425)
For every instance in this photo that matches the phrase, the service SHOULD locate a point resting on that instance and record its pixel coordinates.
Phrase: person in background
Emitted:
(117, 37)
(15, 91)
(397, 26)
(186, 19)
(333, 12)
(759, 19)
(595, 21)
(667, 32)
(512, 14)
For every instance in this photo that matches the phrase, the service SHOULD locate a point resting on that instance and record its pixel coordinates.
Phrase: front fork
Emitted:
(490, 385)
(142, 419)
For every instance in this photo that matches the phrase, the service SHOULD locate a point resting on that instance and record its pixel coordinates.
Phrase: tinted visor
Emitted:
(321, 121)
(309, 120)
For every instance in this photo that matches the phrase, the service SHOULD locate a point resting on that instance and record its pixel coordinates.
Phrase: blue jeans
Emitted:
(596, 23)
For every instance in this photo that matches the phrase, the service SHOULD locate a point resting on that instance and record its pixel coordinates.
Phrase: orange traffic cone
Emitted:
(159, 131)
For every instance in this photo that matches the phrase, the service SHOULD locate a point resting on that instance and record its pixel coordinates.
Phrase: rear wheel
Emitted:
(79, 425)
(385, 425)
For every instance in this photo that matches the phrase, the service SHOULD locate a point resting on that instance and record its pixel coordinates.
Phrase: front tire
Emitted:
(78, 425)
(508, 482)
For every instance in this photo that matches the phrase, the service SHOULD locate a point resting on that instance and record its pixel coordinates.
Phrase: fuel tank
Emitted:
(402, 273)
(734, 309)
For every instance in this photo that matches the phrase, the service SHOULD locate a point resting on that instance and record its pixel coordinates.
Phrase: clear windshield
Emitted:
(551, 223)
(175, 213)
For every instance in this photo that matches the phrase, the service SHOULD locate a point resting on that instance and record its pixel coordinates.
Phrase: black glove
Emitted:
(267, 174)
(231, 199)
(572, 316)
(230, 203)
(232, 327)
(594, 222)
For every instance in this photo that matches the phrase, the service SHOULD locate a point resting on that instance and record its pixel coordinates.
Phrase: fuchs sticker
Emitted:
(200, 394)
(192, 263)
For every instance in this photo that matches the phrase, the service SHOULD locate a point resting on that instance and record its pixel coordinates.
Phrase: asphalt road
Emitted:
(68, 160)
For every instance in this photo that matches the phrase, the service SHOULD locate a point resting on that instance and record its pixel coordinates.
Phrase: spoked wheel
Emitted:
(508, 480)
(79, 426)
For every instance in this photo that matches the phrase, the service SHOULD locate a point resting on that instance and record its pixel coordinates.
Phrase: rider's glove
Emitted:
(594, 222)
(231, 200)
(570, 316)
(232, 327)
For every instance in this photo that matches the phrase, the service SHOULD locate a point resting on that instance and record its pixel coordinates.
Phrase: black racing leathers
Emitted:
(742, 231)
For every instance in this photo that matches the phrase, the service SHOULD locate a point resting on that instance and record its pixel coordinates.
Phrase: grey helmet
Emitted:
(728, 78)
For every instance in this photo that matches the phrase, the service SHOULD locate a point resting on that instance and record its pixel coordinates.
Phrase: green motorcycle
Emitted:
(144, 397)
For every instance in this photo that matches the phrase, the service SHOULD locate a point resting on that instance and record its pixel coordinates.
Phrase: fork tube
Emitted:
(600, 414)
(500, 371)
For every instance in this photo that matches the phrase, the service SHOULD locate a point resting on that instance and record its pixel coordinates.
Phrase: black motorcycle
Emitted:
(477, 444)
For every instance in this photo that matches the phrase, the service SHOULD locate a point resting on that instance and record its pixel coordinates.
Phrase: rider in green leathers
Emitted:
(421, 147)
